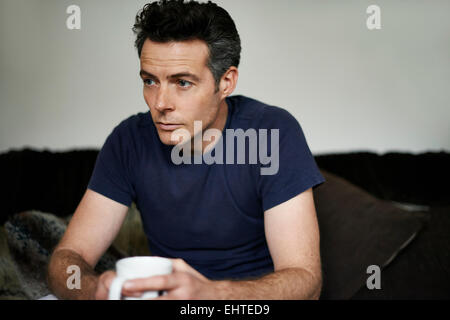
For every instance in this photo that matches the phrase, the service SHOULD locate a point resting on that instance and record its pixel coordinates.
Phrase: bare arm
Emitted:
(286, 284)
(57, 276)
(293, 238)
(93, 227)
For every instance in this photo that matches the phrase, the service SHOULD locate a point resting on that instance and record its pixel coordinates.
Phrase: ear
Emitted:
(228, 82)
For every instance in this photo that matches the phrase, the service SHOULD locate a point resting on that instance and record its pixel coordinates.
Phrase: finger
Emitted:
(128, 293)
(103, 284)
(101, 293)
(107, 278)
(155, 283)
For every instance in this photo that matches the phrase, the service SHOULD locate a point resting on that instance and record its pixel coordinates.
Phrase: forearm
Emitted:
(57, 276)
(286, 284)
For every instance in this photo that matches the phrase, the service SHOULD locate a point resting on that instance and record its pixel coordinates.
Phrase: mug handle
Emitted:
(115, 290)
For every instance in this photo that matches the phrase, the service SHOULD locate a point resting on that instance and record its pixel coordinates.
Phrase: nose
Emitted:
(162, 102)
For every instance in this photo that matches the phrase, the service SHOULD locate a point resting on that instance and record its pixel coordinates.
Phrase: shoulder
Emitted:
(262, 115)
(130, 134)
(135, 121)
(133, 124)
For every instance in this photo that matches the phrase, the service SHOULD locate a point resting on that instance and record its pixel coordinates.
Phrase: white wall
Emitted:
(350, 88)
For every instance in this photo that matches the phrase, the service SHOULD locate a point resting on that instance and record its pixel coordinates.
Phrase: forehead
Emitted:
(190, 54)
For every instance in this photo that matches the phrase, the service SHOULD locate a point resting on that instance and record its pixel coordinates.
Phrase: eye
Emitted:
(184, 83)
(148, 82)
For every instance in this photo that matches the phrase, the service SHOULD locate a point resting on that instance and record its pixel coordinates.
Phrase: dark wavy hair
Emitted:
(176, 20)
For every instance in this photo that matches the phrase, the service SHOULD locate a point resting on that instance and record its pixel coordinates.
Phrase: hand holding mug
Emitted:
(135, 268)
(184, 283)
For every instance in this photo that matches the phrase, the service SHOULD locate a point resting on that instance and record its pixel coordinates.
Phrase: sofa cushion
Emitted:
(357, 230)
(422, 270)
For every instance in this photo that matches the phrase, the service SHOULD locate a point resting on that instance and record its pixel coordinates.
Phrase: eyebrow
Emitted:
(177, 75)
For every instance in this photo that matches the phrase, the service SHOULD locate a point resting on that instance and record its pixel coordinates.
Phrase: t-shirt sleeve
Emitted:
(111, 176)
(297, 169)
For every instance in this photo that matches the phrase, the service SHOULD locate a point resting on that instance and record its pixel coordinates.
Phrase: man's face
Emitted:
(179, 88)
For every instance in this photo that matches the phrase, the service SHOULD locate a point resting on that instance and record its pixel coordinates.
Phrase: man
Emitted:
(233, 232)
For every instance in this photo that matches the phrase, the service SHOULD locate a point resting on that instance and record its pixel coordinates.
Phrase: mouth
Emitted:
(168, 126)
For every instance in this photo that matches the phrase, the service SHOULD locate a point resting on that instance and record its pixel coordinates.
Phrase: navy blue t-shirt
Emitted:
(210, 215)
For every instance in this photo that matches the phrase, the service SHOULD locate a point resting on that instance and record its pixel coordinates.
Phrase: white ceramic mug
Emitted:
(138, 267)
